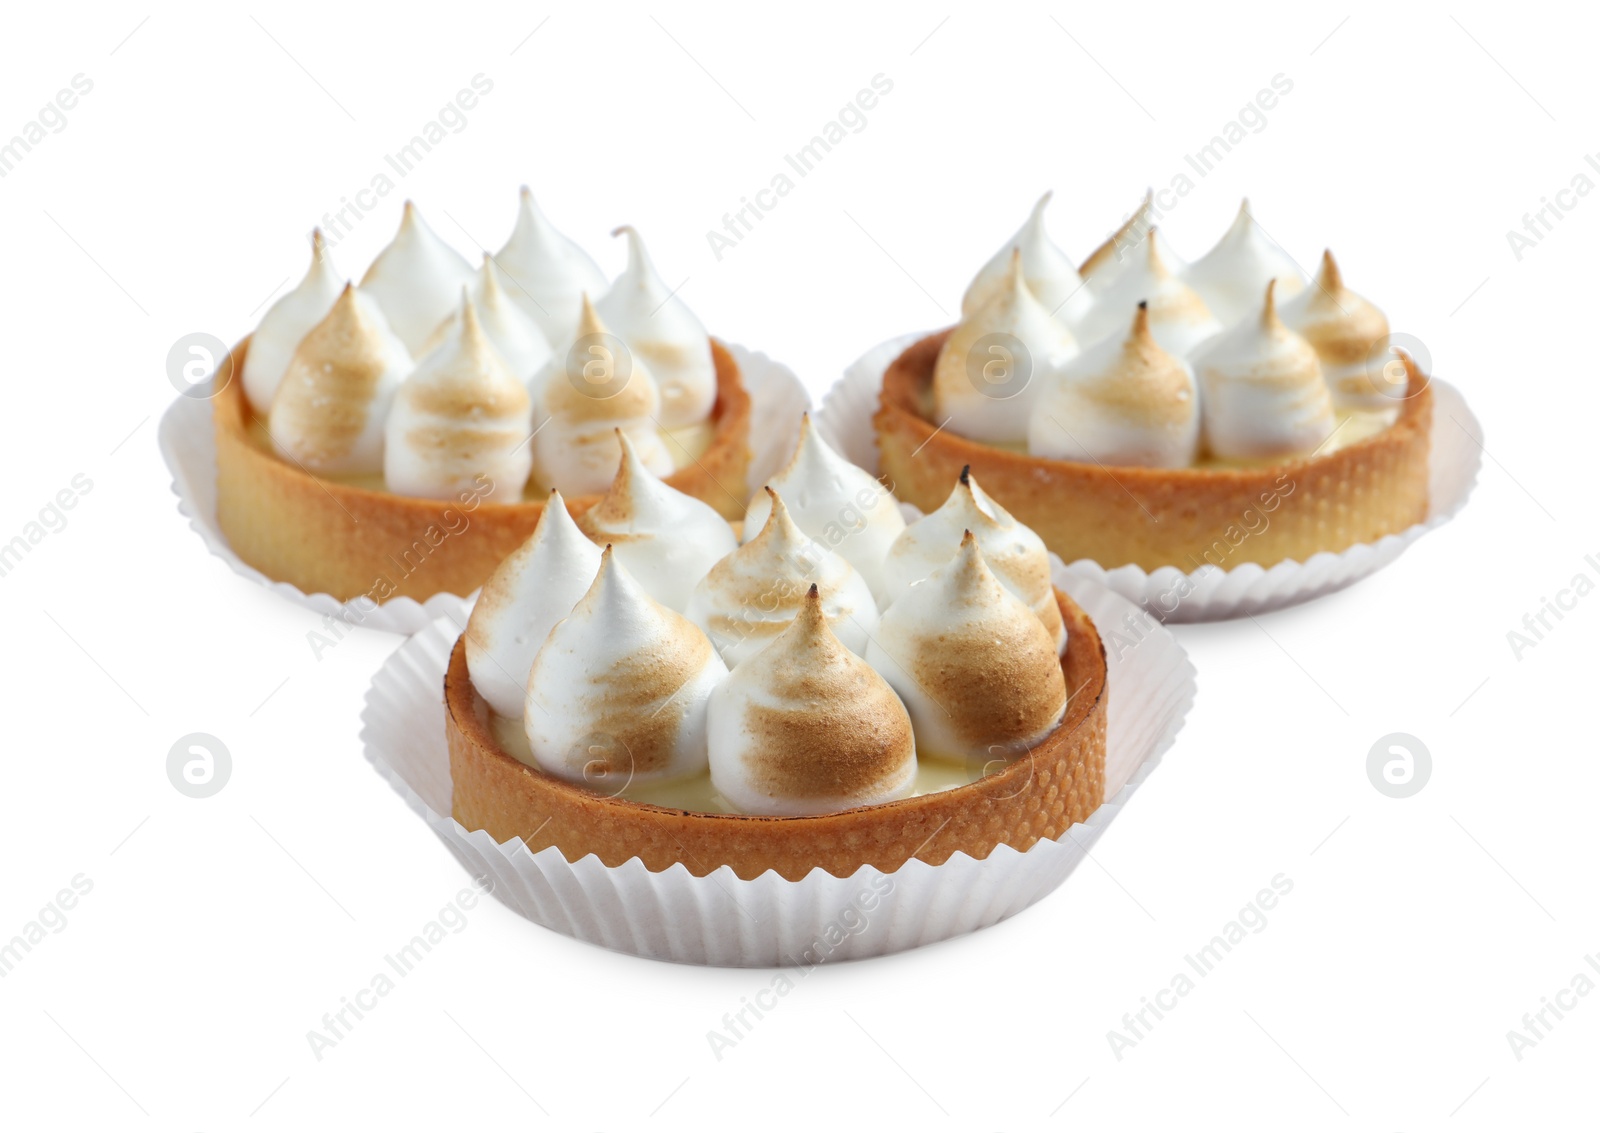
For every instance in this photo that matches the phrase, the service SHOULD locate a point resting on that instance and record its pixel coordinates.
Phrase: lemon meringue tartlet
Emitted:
(827, 737)
(400, 438)
(1211, 413)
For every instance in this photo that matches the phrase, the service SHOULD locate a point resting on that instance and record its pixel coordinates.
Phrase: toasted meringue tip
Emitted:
(1140, 331)
(1329, 277)
(1269, 307)
(966, 475)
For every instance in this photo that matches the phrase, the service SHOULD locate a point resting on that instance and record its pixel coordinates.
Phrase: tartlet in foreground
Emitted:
(1059, 783)
(683, 699)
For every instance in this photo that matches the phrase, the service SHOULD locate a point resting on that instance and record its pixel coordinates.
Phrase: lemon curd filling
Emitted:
(697, 794)
(686, 445)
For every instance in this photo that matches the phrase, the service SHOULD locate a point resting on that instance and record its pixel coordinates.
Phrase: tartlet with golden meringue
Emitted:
(384, 448)
(1059, 782)
(1176, 438)
(1154, 517)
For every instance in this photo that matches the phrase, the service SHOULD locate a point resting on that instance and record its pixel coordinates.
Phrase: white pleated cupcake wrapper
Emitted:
(189, 448)
(1209, 593)
(722, 920)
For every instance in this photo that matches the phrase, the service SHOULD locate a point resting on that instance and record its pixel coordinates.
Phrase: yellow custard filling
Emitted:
(697, 793)
(686, 445)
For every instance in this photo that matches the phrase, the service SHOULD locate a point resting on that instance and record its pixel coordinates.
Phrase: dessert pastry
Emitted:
(1262, 391)
(347, 484)
(1205, 421)
(460, 422)
(1046, 270)
(971, 661)
(416, 280)
(997, 360)
(1343, 329)
(329, 409)
(754, 592)
(537, 585)
(773, 752)
(1129, 401)
(515, 335)
(617, 694)
(836, 503)
(589, 397)
(666, 539)
(635, 740)
(286, 323)
(548, 272)
(1179, 318)
(1231, 277)
(1013, 552)
(664, 335)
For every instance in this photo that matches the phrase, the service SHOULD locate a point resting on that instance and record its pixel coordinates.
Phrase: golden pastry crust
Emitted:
(1060, 782)
(327, 537)
(1154, 517)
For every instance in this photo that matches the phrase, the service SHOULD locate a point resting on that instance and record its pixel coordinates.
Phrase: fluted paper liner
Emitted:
(723, 920)
(1209, 593)
(189, 448)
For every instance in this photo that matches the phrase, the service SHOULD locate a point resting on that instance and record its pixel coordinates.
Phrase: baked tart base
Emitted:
(1155, 517)
(324, 536)
(1061, 782)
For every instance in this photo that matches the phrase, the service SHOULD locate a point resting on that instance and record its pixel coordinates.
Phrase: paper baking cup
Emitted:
(189, 447)
(1210, 593)
(766, 922)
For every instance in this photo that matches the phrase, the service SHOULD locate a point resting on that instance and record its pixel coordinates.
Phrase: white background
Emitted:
(219, 931)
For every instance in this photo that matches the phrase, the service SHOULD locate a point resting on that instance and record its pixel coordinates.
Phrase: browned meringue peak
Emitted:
(461, 416)
(617, 694)
(1262, 394)
(1340, 325)
(1125, 401)
(1106, 262)
(977, 671)
(754, 592)
(807, 727)
(667, 539)
(1013, 550)
(1179, 318)
(588, 392)
(329, 410)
